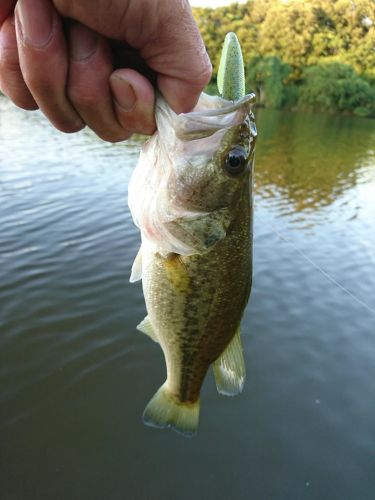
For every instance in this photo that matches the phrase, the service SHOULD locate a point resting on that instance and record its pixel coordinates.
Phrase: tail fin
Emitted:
(164, 411)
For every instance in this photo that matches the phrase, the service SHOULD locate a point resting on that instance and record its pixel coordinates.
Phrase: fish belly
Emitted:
(195, 305)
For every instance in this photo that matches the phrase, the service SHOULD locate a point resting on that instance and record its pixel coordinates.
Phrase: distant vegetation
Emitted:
(311, 54)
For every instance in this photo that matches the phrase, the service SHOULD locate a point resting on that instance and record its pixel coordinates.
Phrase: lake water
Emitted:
(75, 374)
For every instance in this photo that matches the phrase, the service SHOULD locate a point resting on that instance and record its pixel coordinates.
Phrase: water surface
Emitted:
(75, 374)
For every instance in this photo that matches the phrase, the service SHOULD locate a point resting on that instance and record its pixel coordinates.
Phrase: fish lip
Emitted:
(224, 107)
(207, 117)
(228, 106)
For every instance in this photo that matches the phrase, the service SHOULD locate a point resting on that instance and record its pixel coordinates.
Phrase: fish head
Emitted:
(193, 173)
(211, 154)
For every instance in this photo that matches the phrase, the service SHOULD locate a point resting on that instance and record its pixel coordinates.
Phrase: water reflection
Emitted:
(311, 160)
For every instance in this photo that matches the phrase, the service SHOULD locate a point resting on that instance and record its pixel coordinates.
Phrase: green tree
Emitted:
(300, 32)
(267, 76)
(336, 88)
(281, 38)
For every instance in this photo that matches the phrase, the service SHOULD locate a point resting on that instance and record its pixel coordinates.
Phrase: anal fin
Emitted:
(229, 368)
(146, 327)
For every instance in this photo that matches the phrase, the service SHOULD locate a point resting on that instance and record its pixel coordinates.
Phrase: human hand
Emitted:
(59, 56)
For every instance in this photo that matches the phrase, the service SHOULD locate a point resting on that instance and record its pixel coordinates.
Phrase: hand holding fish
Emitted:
(94, 66)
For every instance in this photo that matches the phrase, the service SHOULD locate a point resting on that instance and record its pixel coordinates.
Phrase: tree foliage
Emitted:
(267, 76)
(336, 87)
(282, 39)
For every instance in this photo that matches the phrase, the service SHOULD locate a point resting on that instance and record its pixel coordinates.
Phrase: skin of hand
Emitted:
(97, 62)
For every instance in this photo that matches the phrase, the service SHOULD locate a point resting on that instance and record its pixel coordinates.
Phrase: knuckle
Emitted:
(68, 127)
(205, 73)
(67, 8)
(42, 81)
(42, 85)
(138, 124)
(8, 61)
(146, 129)
(24, 102)
(82, 97)
(15, 89)
(113, 137)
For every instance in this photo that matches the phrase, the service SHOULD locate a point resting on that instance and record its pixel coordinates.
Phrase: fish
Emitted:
(191, 197)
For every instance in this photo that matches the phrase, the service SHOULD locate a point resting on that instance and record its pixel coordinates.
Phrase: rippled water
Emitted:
(75, 374)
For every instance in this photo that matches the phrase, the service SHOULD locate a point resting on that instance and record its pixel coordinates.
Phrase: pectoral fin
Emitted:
(229, 368)
(136, 273)
(203, 231)
(145, 326)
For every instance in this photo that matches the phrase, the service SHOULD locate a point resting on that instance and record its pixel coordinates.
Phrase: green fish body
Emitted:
(191, 196)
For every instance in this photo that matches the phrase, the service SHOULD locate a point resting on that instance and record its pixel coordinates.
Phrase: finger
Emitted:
(181, 93)
(164, 33)
(88, 85)
(106, 18)
(11, 80)
(6, 8)
(179, 57)
(44, 61)
(133, 98)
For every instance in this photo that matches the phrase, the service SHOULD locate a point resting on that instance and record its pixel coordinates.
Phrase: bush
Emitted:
(291, 93)
(332, 88)
(267, 77)
(336, 88)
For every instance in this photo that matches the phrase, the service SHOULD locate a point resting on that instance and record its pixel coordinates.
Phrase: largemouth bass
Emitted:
(191, 197)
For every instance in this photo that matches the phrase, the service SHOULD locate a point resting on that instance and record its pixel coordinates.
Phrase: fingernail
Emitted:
(83, 42)
(36, 22)
(123, 93)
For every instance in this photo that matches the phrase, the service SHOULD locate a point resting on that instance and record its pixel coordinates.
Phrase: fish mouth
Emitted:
(211, 114)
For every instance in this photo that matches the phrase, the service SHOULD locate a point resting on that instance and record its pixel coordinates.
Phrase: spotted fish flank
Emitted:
(191, 196)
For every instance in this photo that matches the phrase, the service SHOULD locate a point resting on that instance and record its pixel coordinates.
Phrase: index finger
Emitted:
(6, 8)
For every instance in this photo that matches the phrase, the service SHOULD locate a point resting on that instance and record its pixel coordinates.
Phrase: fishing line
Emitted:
(322, 271)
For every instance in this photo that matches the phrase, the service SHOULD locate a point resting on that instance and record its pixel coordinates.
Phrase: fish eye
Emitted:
(236, 160)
